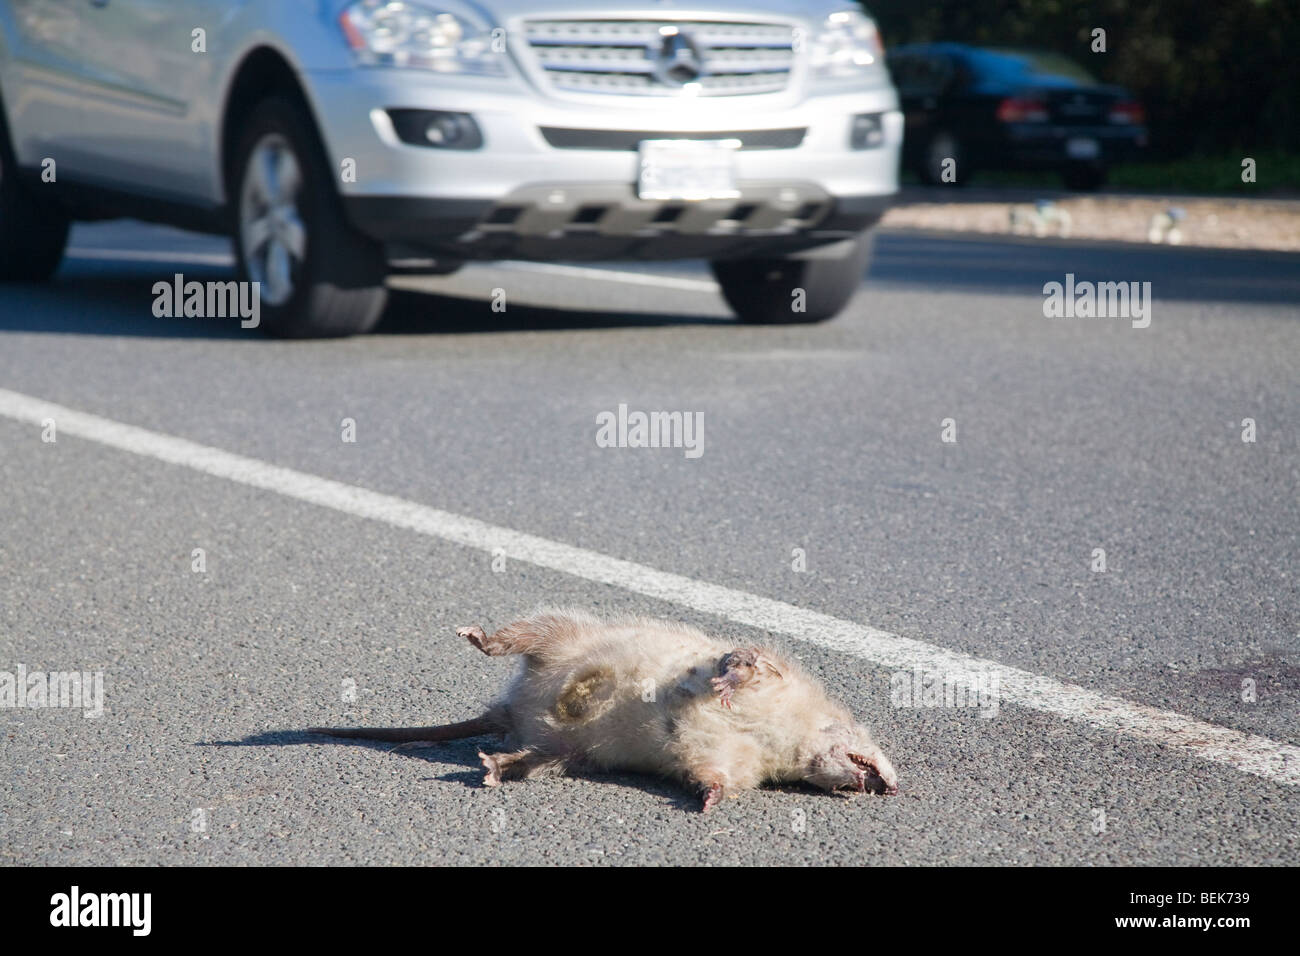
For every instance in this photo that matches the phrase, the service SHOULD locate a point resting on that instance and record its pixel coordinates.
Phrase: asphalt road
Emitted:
(1072, 435)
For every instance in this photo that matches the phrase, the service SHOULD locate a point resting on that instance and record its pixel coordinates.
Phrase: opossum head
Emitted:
(844, 757)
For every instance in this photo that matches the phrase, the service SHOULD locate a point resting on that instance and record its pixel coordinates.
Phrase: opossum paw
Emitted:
(492, 768)
(712, 797)
(724, 687)
(475, 636)
(743, 667)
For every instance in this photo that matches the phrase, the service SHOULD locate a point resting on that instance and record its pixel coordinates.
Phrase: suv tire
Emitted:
(33, 230)
(319, 277)
(763, 291)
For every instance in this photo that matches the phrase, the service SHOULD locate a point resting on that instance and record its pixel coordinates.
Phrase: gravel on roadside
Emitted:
(1211, 222)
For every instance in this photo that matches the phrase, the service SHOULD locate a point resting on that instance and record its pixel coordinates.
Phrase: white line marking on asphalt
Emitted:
(1250, 753)
(545, 268)
(791, 355)
(146, 255)
(611, 275)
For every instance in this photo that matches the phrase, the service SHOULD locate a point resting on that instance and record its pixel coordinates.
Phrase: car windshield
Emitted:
(1029, 66)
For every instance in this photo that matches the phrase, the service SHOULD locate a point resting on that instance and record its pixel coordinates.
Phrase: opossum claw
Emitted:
(521, 637)
(517, 765)
(725, 687)
(492, 766)
(474, 635)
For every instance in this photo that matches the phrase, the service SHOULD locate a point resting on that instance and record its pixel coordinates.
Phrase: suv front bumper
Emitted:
(520, 195)
(579, 221)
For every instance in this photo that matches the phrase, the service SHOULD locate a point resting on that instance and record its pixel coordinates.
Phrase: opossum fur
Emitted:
(650, 696)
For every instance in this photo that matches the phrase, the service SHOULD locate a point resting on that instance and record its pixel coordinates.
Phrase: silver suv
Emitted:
(335, 140)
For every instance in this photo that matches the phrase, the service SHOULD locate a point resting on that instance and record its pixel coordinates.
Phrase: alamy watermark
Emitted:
(917, 688)
(626, 429)
(130, 910)
(1099, 300)
(209, 300)
(53, 689)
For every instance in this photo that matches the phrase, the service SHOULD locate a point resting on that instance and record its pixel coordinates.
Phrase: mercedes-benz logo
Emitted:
(679, 60)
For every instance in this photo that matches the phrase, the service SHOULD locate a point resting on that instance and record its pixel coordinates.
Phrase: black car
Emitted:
(1011, 109)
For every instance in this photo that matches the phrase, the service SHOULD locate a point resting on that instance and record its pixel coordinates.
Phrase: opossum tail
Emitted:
(487, 724)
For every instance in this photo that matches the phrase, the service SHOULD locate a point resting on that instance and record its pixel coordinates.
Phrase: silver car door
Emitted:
(148, 71)
(43, 82)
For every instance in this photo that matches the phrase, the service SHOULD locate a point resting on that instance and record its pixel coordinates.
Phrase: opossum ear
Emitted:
(744, 667)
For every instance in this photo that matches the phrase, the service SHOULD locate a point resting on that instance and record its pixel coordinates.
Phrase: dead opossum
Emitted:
(660, 698)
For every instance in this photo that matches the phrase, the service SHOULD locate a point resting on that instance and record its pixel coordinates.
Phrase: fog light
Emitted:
(867, 132)
(438, 129)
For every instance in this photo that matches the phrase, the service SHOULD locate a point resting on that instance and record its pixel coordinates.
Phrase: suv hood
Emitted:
(809, 10)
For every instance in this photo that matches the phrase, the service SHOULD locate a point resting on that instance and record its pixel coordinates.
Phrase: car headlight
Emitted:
(407, 33)
(846, 46)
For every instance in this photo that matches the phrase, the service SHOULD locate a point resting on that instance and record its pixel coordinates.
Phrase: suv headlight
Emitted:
(846, 46)
(408, 33)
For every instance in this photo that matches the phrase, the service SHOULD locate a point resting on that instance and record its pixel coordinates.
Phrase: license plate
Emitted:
(688, 170)
(1082, 148)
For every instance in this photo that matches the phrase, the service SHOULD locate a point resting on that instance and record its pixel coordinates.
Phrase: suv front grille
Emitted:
(663, 57)
(630, 140)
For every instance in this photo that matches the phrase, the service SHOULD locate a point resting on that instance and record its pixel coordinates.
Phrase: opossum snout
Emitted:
(862, 769)
(875, 774)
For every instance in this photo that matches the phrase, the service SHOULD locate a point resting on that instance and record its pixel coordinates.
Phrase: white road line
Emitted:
(1250, 753)
(544, 268)
(147, 255)
(610, 275)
